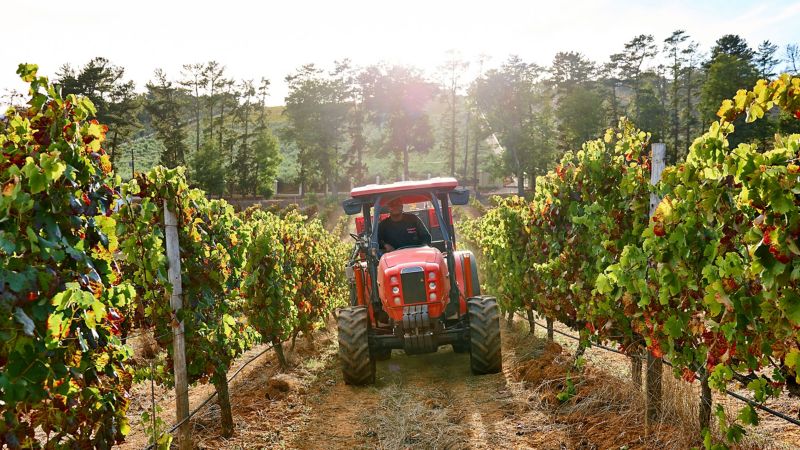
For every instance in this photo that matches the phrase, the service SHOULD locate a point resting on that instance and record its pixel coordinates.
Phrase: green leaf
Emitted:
(24, 320)
(61, 299)
(15, 280)
(602, 284)
(707, 438)
(735, 433)
(37, 182)
(674, 327)
(790, 304)
(55, 328)
(84, 299)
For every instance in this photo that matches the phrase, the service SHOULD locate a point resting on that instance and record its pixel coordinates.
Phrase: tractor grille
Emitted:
(413, 280)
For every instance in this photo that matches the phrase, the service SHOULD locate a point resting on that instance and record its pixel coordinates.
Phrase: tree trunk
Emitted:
(231, 183)
(224, 406)
(688, 109)
(197, 114)
(549, 329)
(114, 150)
(405, 162)
(332, 180)
(520, 183)
(531, 321)
(359, 174)
(475, 168)
(221, 119)
(466, 149)
(452, 136)
(614, 104)
(636, 96)
(510, 319)
(705, 399)
(278, 345)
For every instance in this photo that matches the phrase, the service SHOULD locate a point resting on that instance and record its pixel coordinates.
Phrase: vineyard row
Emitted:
(82, 265)
(709, 280)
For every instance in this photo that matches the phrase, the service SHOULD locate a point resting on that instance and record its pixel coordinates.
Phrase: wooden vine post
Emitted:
(178, 343)
(654, 365)
(636, 369)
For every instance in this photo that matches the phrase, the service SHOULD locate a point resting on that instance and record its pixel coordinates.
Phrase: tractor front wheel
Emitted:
(357, 366)
(484, 322)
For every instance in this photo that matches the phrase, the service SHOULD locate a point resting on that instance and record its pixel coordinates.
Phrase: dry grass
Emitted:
(608, 410)
(427, 419)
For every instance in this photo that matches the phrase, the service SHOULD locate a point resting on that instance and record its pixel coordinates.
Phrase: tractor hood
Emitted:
(417, 254)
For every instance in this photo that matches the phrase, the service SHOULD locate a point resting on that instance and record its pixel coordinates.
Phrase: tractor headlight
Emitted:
(432, 285)
(395, 290)
(394, 279)
(397, 300)
(432, 296)
(431, 275)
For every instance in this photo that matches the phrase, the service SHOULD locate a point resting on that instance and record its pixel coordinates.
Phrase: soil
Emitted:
(434, 402)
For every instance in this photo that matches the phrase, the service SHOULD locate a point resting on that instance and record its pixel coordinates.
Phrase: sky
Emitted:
(256, 39)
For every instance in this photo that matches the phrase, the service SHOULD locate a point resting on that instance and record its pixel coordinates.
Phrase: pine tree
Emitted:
(166, 109)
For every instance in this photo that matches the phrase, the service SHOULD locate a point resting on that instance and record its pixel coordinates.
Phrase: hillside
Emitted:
(147, 152)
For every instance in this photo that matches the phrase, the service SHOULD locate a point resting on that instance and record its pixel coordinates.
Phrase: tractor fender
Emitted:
(460, 277)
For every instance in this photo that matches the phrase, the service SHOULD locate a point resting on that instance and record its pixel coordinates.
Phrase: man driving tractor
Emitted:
(401, 230)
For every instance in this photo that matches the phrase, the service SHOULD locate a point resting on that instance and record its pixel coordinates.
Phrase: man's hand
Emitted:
(388, 247)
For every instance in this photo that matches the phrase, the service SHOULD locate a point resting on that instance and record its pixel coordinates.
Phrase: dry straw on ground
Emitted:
(427, 419)
(608, 410)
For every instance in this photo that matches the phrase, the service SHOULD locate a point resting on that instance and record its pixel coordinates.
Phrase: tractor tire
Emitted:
(485, 354)
(357, 366)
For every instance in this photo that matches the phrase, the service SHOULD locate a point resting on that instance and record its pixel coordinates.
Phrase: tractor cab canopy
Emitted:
(369, 199)
(408, 191)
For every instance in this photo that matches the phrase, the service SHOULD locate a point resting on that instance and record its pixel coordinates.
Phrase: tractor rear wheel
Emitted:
(484, 323)
(357, 366)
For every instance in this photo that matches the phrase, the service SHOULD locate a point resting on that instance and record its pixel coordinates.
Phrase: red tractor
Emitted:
(415, 298)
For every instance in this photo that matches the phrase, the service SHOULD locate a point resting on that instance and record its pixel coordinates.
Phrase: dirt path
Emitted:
(434, 402)
(426, 401)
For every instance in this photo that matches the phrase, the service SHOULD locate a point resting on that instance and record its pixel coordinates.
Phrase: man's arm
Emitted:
(422, 232)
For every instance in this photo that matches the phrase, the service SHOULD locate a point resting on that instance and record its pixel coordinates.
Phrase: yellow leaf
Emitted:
(8, 188)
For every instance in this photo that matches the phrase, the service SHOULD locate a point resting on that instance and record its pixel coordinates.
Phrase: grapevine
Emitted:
(60, 289)
(709, 281)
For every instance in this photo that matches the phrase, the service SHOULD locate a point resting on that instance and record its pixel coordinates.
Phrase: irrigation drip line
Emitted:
(732, 394)
(578, 339)
(150, 447)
